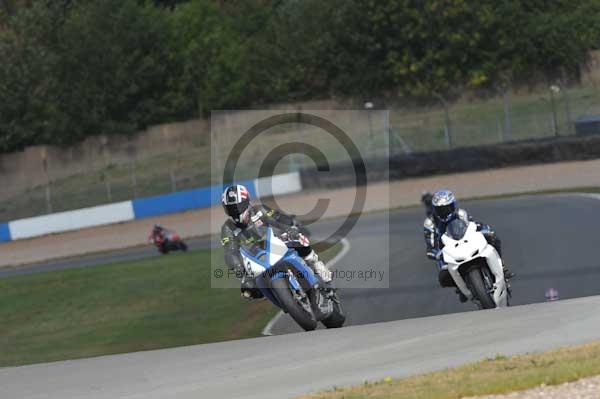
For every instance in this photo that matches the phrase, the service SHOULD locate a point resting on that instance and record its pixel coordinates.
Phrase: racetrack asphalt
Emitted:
(285, 366)
(548, 242)
(102, 258)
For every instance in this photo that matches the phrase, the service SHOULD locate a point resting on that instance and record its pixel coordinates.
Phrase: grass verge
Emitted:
(492, 376)
(160, 302)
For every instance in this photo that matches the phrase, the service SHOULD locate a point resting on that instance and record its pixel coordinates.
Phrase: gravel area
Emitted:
(380, 196)
(586, 388)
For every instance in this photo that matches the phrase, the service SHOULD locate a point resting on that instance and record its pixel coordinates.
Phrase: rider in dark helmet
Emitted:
(245, 226)
(158, 234)
(445, 210)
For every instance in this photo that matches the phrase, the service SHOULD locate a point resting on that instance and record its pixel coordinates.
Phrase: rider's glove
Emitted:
(291, 234)
(434, 254)
(484, 228)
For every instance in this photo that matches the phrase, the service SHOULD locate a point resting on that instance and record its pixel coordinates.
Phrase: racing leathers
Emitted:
(158, 236)
(234, 235)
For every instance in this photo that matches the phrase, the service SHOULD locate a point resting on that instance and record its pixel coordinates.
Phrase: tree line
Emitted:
(74, 68)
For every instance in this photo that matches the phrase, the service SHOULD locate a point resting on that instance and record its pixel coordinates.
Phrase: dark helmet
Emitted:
(426, 199)
(157, 227)
(444, 205)
(235, 200)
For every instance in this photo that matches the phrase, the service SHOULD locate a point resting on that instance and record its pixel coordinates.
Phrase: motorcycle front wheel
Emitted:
(479, 289)
(292, 303)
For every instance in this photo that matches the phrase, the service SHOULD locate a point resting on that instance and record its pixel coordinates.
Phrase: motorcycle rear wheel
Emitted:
(283, 291)
(479, 290)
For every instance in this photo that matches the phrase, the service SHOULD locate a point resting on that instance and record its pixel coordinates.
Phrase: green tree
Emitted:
(116, 68)
(27, 82)
(73, 68)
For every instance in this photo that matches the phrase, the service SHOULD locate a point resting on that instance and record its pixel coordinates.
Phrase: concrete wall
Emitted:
(205, 197)
(33, 167)
(72, 220)
(21, 171)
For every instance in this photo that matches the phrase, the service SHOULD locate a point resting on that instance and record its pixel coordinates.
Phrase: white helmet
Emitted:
(444, 205)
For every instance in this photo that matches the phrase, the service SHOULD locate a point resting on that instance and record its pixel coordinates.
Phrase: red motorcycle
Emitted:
(166, 240)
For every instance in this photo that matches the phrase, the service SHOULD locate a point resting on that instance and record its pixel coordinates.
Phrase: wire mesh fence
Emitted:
(498, 119)
(187, 163)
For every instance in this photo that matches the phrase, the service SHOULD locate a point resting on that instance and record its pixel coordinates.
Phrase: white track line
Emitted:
(345, 248)
(589, 195)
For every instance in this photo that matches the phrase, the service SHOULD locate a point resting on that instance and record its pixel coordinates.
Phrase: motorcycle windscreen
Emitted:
(276, 248)
(457, 229)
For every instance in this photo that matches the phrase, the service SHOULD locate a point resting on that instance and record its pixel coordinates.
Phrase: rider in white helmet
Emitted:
(245, 226)
(444, 210)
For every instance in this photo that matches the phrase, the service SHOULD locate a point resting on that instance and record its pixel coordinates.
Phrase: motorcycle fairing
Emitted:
(263, 265)
(472, 246)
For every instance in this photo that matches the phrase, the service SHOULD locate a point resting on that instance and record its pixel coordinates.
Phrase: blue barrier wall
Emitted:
(182, 200)
(142, 208)
(4, 232)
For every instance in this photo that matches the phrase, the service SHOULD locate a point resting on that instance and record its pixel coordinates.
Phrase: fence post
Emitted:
(554, 89)
(386, 132)
(447, 137)
(216, 169)
(553, 123)
(369, 107)
(173, 180)
(447, 121)
(105, 174)
(506, 106)
(107, 186)
(562, 84)
(567, 101)
(48, 188)
(133, 178)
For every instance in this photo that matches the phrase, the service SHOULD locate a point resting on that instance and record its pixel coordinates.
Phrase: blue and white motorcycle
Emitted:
(284, 278)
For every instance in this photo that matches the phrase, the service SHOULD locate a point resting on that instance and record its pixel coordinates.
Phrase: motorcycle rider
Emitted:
(158, 234)
(443, 211)
(243, 227)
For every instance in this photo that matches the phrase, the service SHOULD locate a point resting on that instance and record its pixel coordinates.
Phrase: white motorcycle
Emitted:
(474, 265)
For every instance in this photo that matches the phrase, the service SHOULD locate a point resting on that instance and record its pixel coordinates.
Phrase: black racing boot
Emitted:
(461, 297)
(507, 273)
(328, 289)
(249, 290)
